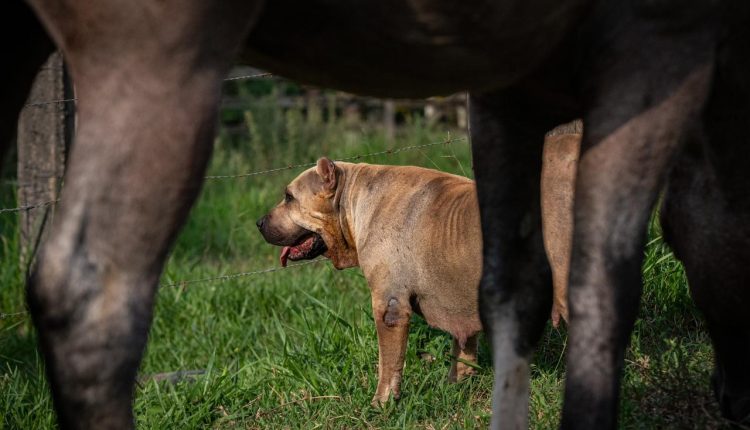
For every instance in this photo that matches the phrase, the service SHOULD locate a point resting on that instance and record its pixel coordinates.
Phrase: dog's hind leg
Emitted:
(634, 124)
(515, 289)
(148, 89)
(460, 355)
(706, 219)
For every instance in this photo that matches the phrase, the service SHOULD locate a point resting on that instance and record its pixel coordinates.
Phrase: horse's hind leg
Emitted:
(706, 219)
(634, 125)
(710, 232)
(147, 92)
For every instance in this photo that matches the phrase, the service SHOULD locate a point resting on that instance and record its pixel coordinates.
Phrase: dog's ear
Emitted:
(327, 172)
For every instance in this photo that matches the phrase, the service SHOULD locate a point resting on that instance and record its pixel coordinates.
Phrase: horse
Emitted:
(662, 86)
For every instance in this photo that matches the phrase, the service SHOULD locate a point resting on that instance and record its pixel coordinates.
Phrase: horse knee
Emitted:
(93, 326)
(59, 282)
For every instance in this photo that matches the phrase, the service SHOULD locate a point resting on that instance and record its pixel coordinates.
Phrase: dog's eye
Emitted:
(288, 197)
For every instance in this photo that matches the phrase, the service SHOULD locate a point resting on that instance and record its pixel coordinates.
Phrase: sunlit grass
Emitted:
(297, 348)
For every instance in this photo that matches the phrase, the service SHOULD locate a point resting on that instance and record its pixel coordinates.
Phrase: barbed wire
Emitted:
(233, 78)
(255, 76)
(11, 315)
(221, 278)
(448, 141)
(49, 102)
(29, 207)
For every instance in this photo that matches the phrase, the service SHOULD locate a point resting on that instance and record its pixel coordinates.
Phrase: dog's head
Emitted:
(307, 221)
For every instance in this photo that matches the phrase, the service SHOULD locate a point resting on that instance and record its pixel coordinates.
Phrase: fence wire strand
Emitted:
(29, 207)
(448, 141)
(49, 102)
(353, 158)
(243, 77)
(223, 278)
(12, 315)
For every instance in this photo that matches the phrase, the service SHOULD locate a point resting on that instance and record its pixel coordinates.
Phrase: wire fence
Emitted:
(223, 278)
(29, 207)
(447, 141)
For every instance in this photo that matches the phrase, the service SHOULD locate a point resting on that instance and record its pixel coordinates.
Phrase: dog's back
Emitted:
(420, 229)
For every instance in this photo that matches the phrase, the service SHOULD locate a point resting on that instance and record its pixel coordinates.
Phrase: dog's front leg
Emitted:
(391, 315)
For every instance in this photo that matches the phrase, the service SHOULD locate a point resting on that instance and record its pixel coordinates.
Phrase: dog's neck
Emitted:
(346, 255)
(352, 210)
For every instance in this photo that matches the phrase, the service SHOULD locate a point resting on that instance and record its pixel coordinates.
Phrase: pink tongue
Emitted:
(285, 255)
(296, 252)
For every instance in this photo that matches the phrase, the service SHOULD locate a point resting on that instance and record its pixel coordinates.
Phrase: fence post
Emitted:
(389, 120)
(43, 132)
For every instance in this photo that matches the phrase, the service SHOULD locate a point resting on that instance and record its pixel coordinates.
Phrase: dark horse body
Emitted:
(646, 76)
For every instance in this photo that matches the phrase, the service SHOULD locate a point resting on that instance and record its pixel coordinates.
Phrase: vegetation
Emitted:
(297, 348)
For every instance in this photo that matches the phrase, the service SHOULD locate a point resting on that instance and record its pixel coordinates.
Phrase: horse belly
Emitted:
(397, 48)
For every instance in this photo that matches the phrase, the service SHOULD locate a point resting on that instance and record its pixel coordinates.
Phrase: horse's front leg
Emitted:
(148, 80)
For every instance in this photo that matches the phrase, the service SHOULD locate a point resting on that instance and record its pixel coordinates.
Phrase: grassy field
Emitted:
(297, 348)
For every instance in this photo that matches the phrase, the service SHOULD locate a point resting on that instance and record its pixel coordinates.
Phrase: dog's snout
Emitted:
(261, 222)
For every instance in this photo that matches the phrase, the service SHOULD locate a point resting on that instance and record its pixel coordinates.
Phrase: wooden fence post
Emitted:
(44, 129)
(389, 120)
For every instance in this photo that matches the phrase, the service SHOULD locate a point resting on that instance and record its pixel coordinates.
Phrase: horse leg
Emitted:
(710, 234)
(148, 91)
(634, 123)
(515, 289)
(706, 219)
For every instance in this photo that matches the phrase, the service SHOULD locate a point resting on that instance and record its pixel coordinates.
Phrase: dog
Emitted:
(645, 77)
(415, 234)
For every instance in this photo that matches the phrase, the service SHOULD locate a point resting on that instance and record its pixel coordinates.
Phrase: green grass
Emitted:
(297, 348)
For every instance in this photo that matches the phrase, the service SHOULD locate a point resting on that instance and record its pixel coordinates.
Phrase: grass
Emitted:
(297, 348)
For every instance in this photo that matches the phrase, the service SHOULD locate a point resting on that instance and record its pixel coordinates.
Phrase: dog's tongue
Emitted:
(298, 251)
(285, 255)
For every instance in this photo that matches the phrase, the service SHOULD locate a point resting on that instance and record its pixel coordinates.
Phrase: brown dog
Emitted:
(416, 234)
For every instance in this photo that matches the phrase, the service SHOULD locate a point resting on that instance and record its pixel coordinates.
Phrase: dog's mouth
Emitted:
(309, 247)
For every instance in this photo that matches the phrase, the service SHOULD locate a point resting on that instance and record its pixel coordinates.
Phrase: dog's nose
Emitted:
(260, 222)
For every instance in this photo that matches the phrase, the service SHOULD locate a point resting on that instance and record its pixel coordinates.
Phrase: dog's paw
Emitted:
(380, 400)
(460, 372)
